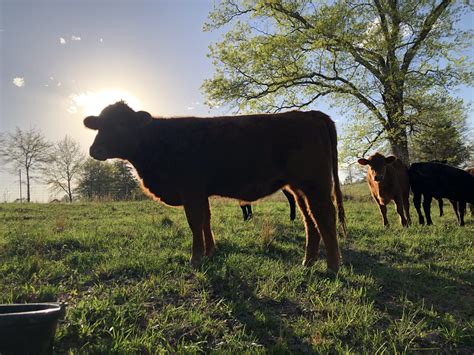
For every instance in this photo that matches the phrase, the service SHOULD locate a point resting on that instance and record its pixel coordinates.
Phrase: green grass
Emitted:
(123, 270)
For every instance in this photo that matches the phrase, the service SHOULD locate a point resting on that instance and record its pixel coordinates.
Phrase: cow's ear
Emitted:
(363, 161)
(390, 159)
(92, 122)
(144, 116)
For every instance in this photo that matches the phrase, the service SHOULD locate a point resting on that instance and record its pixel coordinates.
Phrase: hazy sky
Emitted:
(63, 59)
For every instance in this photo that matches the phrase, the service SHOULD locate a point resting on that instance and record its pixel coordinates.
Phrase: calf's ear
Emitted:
(92, 122)
(143, 115)
(390, 159)
(363, 161)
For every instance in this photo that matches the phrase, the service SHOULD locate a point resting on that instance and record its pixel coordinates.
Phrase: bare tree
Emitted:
(66, 160)
(25, 149)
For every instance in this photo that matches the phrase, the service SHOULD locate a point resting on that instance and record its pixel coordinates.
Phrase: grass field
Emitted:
(123, 270)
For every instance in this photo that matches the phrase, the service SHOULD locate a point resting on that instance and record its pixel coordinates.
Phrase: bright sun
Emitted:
(92, 103)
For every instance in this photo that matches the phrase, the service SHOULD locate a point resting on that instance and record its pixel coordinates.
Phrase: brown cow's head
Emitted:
(377, 165)
(118, 129)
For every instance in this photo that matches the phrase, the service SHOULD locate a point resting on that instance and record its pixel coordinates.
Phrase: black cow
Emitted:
(247, 207)
(437, 180)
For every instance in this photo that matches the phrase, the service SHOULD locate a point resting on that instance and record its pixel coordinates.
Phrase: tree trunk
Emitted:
(396, 129)
(69, 192)
(28, 198)
(399, 147)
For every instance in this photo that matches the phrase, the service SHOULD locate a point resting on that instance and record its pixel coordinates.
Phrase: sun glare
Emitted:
(92, 103)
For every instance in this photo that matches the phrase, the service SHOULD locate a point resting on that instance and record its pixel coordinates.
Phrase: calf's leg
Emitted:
(323, 214)
(313, 237)
(417, 203)
(194, 208)
(440, 205)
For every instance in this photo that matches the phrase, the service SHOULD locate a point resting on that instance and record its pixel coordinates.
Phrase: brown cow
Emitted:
(388, 180)
(183, 161)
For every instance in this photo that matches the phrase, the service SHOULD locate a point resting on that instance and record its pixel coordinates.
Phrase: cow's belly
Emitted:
(164, 193)
(250, 191)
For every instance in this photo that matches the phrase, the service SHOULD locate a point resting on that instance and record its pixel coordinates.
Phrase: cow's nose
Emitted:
(97, 153)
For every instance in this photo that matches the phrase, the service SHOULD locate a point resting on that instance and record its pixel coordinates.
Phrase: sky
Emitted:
(64, 59)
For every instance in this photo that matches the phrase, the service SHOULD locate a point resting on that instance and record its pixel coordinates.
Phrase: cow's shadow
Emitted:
(438, 287)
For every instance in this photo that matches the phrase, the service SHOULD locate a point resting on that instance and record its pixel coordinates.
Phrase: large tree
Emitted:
(112, 180)
(443, 133)
(95, 180)
(125, 184)
(66, 160)
(27, 150)
(370, 57)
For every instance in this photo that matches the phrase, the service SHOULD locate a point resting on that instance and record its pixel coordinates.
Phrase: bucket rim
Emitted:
(49, 308)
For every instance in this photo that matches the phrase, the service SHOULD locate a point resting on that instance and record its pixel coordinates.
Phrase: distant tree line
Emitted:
(64, 168)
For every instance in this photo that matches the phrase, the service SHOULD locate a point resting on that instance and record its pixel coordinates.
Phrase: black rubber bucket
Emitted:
(28, 328)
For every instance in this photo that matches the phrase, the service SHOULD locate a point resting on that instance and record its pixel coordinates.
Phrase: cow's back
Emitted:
(232, 154)
(442, 181)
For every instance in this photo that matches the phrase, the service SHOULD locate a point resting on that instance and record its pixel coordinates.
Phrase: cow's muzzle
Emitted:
(98, 153)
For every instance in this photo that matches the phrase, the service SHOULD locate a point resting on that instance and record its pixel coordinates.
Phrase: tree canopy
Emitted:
(376, 58)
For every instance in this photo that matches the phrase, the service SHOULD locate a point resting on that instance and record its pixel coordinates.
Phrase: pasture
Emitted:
(122, 267)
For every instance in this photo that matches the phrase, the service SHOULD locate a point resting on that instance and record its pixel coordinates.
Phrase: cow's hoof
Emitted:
(307, 262)
(195, 261)
(333, 270)
(211, 251)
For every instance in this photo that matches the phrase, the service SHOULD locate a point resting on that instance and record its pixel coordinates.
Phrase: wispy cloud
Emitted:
(19, 81)
(75, 38)
(62, 40)
(190, 108)
(101, 40)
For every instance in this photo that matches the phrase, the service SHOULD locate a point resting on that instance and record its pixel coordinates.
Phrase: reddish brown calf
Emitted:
(183, 161)
(388, 180)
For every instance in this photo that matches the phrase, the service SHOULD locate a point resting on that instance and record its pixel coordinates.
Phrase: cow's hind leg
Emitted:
(195, 213)
(399, 204)
(323, 213)
(209, 244)
(313, 237)
(406, 207)
(427, 208)
(417, 203)
(291, 201)
(440, 205)
(456, 210)
(462, 211)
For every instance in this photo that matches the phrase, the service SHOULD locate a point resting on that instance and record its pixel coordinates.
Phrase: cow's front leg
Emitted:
(462, 211)
(195, 207)
(417, 203)
(426, 208)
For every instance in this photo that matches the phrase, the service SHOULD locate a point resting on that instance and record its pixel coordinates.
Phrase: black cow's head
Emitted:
(118, 129)
(377, 165)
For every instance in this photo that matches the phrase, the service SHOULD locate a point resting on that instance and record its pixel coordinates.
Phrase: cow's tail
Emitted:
(337, 186)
